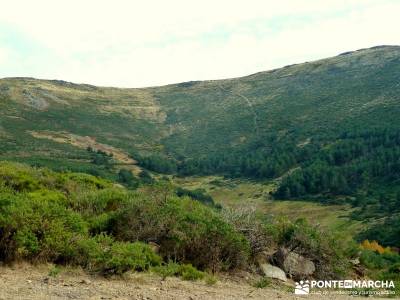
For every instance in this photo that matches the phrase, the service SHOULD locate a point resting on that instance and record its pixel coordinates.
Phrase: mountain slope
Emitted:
(295, 102)
(262, 125)
(327, 130)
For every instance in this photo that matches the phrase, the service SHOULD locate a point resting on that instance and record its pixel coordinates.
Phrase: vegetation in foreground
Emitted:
(82, 220)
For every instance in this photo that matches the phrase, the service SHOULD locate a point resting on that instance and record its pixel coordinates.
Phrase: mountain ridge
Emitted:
(286, 96)
(378, 47)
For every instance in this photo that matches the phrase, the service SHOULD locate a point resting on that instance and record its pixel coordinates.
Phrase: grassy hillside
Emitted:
(295, 103)
(326, 131)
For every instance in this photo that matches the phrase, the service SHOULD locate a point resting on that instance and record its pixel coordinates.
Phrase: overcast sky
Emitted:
(143, 43)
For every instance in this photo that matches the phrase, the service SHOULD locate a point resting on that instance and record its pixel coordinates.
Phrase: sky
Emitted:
(129, 43)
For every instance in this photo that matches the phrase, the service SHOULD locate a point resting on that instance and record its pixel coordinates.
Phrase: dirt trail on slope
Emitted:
(249, 104)
(25, 282)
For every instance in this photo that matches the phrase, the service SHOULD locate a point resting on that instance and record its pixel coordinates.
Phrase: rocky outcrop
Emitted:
(155, 247)
(271, 271)
(295, 265)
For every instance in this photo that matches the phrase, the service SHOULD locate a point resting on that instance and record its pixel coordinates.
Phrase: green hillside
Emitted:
(295, 103)
(327, 130)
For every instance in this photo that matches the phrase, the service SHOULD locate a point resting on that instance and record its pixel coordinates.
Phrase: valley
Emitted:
(200, 179)
(244, 194)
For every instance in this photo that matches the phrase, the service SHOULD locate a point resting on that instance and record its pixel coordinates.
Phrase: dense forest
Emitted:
(353, 161)
(359, 167)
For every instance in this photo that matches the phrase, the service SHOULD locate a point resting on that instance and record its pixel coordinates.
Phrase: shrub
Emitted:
(87, 181)
(54, 271)
(126, 177)
(186, 271)
(36, 226)
(145, 177)
(167, 270)
(210, 279)
(102, 254)
(99, 207)
(375, 260)
(197, 194)
(19, 177)
(45, 216)
(262, 283)
(330, 253)
(246, 221)
(186, 231)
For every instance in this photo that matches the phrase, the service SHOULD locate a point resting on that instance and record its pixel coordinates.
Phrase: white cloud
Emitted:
(141, 43)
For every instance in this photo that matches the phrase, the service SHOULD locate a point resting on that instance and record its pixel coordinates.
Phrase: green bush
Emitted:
(374, 260)
(46, 216)
(99, 207)
(126, 177)
(330, 253)
(37, 226)
(185, 271)
(54, 271)
(256, 230)
(262, 283)
(186, 231)
(19, 177)
(78, 219)
(197, 194)
(385, 266)
(102, 254)
(188, 272)
(210, 279)
(22, 178)
(167, 270)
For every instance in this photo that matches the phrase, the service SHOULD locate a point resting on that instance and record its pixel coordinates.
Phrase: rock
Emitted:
(155, 247)
(273, 272)
(295, 265)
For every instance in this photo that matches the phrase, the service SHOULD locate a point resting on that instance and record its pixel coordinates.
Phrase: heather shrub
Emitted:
(60, 217)
(104, 255)
(246, 221)
(330, 253)
(185, 271)
(186, 231)
(36, 226)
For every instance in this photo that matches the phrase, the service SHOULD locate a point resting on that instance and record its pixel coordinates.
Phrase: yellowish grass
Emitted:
(240, 193)
(86, 141)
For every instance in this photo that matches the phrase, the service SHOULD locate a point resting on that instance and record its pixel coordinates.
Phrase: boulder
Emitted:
(295, 265)
(155, 247)
(272, 272)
